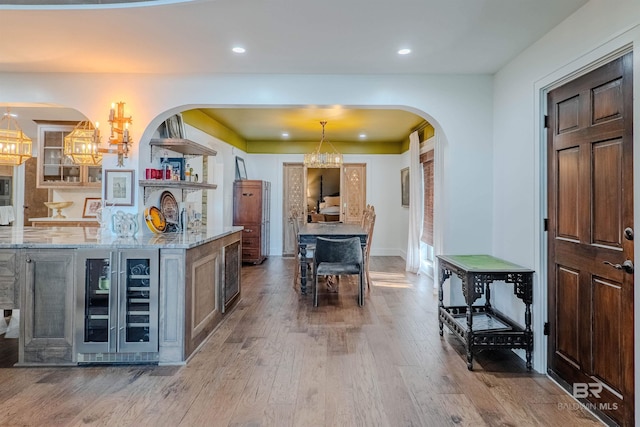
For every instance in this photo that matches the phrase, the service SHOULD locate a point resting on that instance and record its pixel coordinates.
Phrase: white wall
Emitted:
(383, 191)
(595, 31)
(458, 106)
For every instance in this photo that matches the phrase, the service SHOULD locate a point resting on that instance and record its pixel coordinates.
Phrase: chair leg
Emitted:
(315, 291)
(361, 290)
(296, 276)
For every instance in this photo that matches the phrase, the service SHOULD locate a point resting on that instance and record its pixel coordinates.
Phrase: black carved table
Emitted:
(482, 327)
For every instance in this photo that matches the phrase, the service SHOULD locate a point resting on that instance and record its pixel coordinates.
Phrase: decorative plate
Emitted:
(155, 219)
(169, 208)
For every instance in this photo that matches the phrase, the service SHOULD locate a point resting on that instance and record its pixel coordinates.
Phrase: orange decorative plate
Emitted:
(155, 219)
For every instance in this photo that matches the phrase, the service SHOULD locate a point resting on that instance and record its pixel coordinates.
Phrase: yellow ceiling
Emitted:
(260, 129)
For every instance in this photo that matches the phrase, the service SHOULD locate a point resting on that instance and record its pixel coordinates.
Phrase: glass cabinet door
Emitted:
(117, 305)
(55, 170)
(138, 302)
(97, 285)
(96, 321)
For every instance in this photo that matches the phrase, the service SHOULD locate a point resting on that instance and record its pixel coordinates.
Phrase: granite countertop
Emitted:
(92, 237)
(51, 219)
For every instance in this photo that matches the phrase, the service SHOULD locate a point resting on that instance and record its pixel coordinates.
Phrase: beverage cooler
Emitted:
(117, 306)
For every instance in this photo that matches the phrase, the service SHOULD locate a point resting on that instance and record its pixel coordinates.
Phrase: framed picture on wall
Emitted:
(241, 169)
(173, 127)
(118, 190)
(404, 187)
(91, 207)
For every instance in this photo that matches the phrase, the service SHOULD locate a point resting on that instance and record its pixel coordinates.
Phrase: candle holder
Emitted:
(119, 131)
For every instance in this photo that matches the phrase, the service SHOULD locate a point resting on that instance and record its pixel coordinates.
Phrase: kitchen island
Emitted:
(86, 296)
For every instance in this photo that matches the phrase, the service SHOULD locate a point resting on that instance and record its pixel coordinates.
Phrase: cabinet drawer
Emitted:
(251, 230)
(251, 242)
(249, 254)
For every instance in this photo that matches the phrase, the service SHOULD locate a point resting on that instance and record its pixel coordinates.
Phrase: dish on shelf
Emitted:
(155, 219)
(169, 208)
(59, 206)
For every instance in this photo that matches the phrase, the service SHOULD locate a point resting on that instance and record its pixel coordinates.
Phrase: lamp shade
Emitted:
(15, 146)
(82, 145)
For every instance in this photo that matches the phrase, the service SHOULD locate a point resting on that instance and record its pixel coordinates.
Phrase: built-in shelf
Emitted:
(158, 183)
(182, 146)
(185, 147)
(151, 185)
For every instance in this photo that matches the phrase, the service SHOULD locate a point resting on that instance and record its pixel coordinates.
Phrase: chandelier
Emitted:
(15, 146)
(82, 144)
(316, 159)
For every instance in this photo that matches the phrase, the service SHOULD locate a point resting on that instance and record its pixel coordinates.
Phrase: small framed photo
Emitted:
(177, 167)
(404, 187)
(241, 169)
(118, 190)
(174, 127)
(91, 206)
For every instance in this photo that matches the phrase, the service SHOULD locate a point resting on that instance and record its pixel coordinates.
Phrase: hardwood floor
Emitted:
(277, 361)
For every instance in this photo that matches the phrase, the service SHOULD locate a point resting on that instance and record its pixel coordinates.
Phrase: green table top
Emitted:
(483, 263)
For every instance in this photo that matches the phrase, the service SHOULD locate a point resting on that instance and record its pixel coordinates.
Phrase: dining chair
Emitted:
(295, 228)
(338, 257)
(368, 226)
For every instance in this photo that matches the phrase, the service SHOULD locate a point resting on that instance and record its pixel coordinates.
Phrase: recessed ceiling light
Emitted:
(363, 135)
(404, 51)
(239, 49)
(285, 134)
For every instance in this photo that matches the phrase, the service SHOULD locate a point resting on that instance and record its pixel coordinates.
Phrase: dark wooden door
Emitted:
(590, 189)
(34, 197)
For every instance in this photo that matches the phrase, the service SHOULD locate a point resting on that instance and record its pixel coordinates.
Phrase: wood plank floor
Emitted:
(277, 361)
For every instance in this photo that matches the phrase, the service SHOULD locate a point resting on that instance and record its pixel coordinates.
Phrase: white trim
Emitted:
(615, 47)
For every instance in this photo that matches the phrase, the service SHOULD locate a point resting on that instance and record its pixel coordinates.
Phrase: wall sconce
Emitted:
(83, 143)
(119, 131)
(15, 146)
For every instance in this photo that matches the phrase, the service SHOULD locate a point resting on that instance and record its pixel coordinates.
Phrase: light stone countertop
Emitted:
(91, 237)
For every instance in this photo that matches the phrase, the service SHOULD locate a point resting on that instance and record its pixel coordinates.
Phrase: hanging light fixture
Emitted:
(316, 159)
(15, 146)
(82, 144)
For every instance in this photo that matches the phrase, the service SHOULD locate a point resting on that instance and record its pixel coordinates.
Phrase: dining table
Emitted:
(309, 232)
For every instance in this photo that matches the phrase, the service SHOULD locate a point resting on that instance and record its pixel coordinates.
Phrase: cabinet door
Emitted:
(96, 324)
(48, 307)
(8, 280)
(55, 170)
(247, 202)
(138, 272)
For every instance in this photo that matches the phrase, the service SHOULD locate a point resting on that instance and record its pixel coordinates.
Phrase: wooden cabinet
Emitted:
(197, 286)
(9, 277)
(251, 207)
(55, 170)
(47, 306)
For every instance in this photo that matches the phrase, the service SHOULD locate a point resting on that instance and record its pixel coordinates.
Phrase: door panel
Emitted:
(34, 197)
(293, 202)
(607, 193)
(590, 169)
(354, 192)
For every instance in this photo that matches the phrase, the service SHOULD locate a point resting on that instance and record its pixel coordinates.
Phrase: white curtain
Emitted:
(416, 204)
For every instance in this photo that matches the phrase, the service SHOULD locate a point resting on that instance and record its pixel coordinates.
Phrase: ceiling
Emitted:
(280, 36)
(303, 124)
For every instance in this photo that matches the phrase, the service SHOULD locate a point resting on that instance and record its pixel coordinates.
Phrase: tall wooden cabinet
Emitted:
(251, 206)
